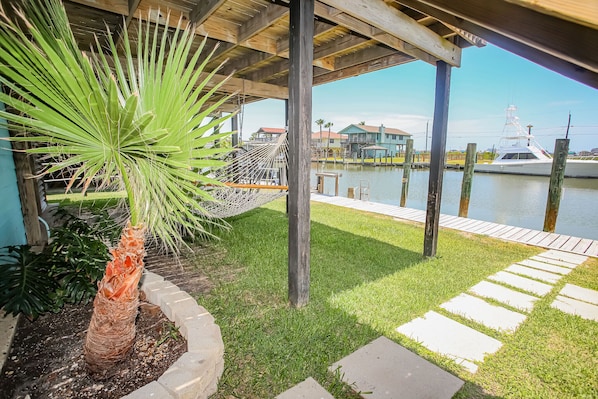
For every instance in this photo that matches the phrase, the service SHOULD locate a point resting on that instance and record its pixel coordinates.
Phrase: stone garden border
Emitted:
(196, 373)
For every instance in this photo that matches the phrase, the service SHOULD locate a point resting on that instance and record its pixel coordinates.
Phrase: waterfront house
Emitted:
(265, 134)
(329, 144)
(362, 136)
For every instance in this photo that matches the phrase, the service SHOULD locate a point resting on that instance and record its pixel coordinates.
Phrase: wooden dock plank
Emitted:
(510, 233)
(549, 239)
(538, 238)
(570, 244)
(592, 249)
(582, 246)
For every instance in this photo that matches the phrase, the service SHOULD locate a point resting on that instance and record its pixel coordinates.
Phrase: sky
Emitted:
(488, 81)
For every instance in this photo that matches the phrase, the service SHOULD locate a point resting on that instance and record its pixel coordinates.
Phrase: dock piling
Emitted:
(557, 175)
(406, 171)
(470, 159)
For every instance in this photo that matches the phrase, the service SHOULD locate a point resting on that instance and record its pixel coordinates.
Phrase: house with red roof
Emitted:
(328, 143)
(392, 141)
(267, 134)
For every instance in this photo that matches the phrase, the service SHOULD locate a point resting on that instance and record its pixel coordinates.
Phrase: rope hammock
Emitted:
(253, 178)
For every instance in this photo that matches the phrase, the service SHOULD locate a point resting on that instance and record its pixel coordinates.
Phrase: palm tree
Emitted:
(134, 121)
(320, 122)
(328, 125)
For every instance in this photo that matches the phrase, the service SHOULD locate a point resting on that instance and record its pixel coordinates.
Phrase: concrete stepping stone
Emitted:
(384, 369)
(516, 299)
(523, 283)
(545, 266)
(580, 293)
(557, 262)
(308, 389)
(575, 307)
(534, 273)
(564, 256)
(450, 338)
(480, 311)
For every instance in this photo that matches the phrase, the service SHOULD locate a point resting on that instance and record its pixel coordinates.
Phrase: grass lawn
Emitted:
(367, 278)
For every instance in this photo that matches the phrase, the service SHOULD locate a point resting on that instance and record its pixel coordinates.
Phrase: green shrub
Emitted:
(67, 271)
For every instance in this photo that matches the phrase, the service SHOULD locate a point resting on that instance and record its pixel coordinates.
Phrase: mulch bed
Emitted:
(46, 357)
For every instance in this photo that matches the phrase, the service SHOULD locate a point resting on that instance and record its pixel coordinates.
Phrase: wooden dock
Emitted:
(577, 245)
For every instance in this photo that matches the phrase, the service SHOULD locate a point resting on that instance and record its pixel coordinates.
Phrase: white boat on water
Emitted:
(518, 153)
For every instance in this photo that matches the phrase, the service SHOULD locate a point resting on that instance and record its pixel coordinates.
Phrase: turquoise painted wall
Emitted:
(12, 230)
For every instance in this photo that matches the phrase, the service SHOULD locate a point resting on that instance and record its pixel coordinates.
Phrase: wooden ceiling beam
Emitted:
(263, 20)
(360, 69)
(248, 87)
(362, 56)
(203, 10)
(387, 18)
(334, 47)
(367, 30)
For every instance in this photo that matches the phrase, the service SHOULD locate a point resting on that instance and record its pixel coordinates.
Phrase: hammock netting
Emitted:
(253, 178)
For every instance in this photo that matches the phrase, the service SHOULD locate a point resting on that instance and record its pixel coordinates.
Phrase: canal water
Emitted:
(506, 199)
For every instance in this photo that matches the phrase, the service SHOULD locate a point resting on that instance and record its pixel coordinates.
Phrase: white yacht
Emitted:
(519, 153)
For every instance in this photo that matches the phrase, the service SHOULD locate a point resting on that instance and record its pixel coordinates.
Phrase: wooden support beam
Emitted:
(556, 64)
(114, 6)
(437, 157)
(300, 119)
(390, 20)
(551, 35)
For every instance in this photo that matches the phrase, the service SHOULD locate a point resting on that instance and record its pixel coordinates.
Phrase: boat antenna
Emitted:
(568, 125)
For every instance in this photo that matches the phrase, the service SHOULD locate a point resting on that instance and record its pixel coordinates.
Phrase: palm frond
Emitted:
(134, 115)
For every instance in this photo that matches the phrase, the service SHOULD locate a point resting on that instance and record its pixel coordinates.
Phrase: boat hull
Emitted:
(573, 168)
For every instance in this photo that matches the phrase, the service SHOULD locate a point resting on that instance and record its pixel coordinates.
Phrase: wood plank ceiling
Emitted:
(359, 36)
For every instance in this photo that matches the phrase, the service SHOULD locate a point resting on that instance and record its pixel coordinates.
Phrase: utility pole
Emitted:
(426, 150)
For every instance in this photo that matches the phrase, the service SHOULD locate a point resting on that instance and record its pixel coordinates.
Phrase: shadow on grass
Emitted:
(339, 260)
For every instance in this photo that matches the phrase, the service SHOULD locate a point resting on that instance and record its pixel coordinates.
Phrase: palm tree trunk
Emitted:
(111, 332)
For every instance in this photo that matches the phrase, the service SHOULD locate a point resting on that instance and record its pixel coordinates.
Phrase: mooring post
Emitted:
(470, 160)
(557, 176)
(406, 171)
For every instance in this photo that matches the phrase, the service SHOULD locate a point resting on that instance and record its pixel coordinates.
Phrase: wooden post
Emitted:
(437, 157)
(557, 176)
(29, 194)
(407, 171)
(300, 116)
(234, 123)
(470, 159)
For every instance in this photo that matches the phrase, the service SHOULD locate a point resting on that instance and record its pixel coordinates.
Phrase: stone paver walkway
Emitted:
(517, 288)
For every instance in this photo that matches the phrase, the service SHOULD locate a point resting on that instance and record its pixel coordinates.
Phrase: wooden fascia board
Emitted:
(390, 20)
(580, 12)
(556, 64)
(561, 38)
(114, 6)
(203, 10)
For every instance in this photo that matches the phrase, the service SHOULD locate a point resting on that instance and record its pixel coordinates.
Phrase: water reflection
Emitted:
(508, 199)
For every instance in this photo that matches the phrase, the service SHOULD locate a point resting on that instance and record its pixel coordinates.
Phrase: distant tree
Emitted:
(328, 125)
(362, 123)
(320, 122)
